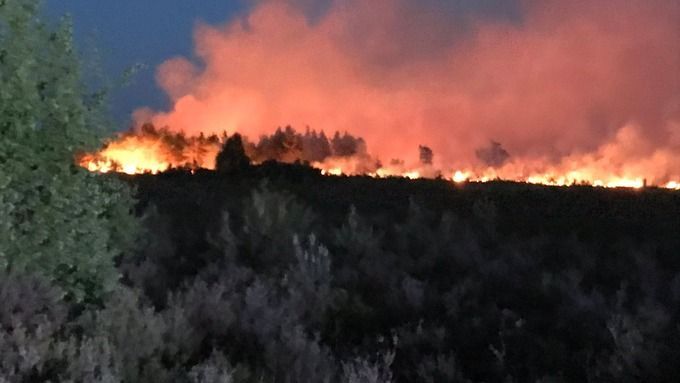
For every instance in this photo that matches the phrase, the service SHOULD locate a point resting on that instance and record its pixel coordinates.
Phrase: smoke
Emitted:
(557, 82)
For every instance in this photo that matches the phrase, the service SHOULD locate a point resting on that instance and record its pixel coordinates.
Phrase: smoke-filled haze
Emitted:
(573, 84)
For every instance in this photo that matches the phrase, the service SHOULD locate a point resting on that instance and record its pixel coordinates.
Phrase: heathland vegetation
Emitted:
(275, 273)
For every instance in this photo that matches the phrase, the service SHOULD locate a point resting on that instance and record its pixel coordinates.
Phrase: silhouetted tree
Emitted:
(493, 155)
(426, 155)
(232, 157)
(285, 145)
(315, 147)
(347, 145)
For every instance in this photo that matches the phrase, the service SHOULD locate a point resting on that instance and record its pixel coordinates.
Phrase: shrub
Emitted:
(58, 220)
(271, 219)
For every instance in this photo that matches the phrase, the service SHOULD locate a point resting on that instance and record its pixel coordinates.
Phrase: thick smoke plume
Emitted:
(591, 87)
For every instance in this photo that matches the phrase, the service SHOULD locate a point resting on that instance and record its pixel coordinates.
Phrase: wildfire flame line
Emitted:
(152, 151)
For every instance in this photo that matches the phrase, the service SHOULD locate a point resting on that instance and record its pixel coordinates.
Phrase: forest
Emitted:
(277, 273)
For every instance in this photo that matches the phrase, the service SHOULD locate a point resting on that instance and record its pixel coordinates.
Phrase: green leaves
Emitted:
(57, 220)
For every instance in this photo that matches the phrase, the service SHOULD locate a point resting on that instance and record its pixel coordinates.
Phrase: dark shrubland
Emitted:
(307, 278)
(274, 273)
(280, 274)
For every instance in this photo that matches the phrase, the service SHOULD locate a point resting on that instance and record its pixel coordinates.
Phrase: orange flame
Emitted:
(153, 152)
(576, 94)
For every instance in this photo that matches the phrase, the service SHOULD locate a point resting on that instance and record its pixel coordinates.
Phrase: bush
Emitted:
(58, 219)
(270, 221)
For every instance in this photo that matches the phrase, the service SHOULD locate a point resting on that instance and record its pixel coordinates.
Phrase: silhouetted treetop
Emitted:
(233, 156)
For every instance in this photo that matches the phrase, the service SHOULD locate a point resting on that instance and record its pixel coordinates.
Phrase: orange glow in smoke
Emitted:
(576, 92)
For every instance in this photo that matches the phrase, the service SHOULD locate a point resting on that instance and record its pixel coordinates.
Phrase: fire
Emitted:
(567, 94)
(558, 78)
(128, 156)
(152, 151)
(460, 176)
(155, 151)
(332, 172)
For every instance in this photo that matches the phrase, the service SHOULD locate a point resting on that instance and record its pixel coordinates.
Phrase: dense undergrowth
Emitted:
(277, 274)
(301, 277)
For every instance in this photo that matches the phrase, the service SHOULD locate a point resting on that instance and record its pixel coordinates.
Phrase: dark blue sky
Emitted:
(126, 32)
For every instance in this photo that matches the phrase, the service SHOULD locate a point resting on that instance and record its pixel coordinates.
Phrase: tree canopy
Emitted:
(57, 219)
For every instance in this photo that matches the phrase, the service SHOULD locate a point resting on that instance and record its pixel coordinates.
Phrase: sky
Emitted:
(130, 32)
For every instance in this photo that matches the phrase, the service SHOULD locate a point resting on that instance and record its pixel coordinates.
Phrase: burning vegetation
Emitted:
(569, 92)
(153, 150)
(280, 274)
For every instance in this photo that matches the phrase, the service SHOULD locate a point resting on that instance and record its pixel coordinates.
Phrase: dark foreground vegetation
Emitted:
(302, 277)
(277, 274)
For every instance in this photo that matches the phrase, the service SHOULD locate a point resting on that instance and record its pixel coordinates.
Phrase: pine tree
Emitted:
(57, 219)
(232, 157)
